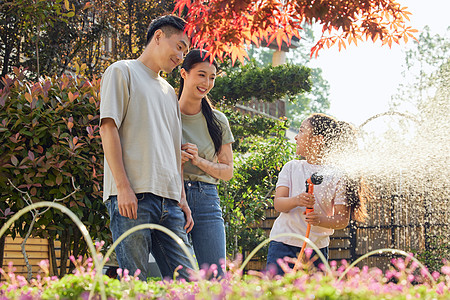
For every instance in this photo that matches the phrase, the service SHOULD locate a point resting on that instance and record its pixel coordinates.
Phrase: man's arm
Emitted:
(126, 198)
(185, 207)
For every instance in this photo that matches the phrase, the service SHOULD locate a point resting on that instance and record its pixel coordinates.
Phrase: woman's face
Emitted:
(199, 80)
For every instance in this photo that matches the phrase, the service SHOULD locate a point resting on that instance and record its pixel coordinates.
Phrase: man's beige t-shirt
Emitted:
(146, 112)
(195, 131)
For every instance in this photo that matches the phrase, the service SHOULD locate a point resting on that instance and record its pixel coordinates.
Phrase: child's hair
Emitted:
(194, 57)
(340, 137)
(327, 127)
(357, 194)
(357, 191)
(169, 24)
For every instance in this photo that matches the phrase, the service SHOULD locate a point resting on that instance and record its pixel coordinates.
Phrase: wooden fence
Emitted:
(402, 221)
(37, 249)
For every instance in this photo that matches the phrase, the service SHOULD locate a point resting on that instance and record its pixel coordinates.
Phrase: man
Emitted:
(140, 127)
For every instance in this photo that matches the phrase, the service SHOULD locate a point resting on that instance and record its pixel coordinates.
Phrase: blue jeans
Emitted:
(208, 234)
(133, 252)
(280, 250)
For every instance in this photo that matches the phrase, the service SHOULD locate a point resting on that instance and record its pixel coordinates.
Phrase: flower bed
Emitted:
(404, 280)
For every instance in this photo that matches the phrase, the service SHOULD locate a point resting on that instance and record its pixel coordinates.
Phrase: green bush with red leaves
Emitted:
(49, 137)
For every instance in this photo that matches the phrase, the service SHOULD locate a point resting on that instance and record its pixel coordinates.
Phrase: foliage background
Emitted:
(53, 55)
(49, 136)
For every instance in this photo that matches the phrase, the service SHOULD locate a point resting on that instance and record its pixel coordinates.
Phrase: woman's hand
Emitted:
(185, 157)
(191, 151)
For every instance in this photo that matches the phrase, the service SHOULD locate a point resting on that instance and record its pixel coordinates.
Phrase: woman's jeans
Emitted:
(208, 234)
(133, 252)
(279, 250)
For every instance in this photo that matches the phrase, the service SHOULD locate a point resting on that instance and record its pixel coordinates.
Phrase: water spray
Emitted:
(315, 179)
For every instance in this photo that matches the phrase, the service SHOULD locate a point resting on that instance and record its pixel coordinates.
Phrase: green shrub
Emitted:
(49, 135)
(246, 196)
(434, 255)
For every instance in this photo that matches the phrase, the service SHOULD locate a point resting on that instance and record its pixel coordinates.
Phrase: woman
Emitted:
(208, 157)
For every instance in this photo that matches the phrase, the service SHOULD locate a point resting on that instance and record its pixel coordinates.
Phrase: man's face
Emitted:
(171, 50)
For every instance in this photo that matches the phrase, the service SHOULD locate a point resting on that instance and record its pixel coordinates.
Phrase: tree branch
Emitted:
(36, 213)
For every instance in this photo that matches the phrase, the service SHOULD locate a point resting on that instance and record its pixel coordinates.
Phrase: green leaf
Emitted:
(91, 218)
(59, 179)
(14, 160)
(49, 182)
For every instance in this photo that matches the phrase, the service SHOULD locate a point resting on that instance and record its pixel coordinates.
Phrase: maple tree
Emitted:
(227, 27)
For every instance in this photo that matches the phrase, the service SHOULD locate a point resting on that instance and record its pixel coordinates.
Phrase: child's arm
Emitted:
(339, 220)
(284, 203)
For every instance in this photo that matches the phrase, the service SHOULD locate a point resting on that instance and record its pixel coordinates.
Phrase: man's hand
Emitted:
(187, 213)
(127, 202)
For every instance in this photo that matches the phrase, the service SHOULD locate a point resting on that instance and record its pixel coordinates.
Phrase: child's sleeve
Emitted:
(284, 177)
(114, 93)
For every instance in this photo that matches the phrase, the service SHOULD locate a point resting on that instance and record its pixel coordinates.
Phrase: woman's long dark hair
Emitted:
(194, 57)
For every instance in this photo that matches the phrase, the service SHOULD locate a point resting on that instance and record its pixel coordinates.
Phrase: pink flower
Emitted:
(435, 275)
(424, 271)
(440, 288)
(119, 271)
(137, 273)
(390, 274)
(446, 270)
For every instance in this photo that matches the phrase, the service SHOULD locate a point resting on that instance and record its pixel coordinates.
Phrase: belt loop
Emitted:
(200, 186)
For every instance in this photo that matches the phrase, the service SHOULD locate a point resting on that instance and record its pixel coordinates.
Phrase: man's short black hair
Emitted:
(169, 24)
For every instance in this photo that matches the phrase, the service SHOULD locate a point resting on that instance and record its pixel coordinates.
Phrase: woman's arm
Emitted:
(284, 203)
(222, 169)
(339, 220)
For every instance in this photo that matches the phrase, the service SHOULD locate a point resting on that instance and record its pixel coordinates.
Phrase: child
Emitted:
(334, 200)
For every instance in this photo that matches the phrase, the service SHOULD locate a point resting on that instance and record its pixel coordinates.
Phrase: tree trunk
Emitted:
(64, 253)
(5, 68)
(2, 251)
(51, 245)
(130, 25)
(76, 246)
(24, 252)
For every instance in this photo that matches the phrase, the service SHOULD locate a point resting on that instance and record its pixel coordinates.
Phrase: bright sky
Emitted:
(363, 78)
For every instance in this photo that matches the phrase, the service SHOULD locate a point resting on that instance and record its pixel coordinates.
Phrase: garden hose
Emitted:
(315, 179)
